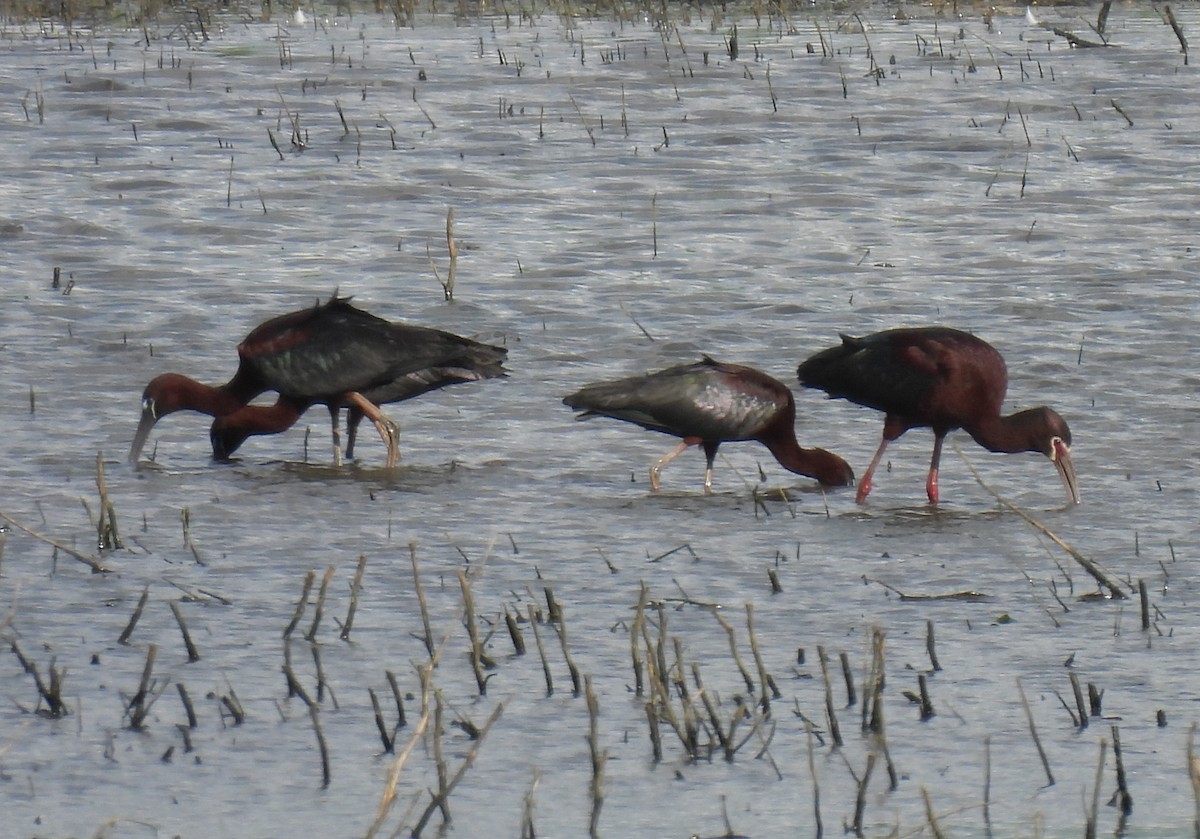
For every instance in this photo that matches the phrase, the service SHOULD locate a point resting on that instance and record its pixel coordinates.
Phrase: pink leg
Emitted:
(656, 469)
(864, 485)
(931, 483)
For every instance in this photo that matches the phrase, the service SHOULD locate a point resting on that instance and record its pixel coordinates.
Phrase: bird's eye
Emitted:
(1056, 446)
(148, 407)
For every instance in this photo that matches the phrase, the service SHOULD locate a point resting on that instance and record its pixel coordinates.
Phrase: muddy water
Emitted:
(625, 197)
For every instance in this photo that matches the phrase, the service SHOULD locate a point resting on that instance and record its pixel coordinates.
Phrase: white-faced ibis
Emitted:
(941, 378)
(330, 353)
(709, 403)
(436, 359)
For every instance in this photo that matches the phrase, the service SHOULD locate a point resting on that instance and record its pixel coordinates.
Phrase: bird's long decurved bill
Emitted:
(149, 417)
(1066, 469)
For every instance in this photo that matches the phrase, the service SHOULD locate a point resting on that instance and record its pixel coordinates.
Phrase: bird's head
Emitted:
(831, 470)
(1052, 438)
(165, 394)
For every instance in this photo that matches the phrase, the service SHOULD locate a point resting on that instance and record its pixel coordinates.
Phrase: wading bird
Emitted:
(941, 378)
(440, 358)
(331, 353)
(709, 403)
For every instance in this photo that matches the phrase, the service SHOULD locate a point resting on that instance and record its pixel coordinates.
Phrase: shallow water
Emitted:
(607, 177)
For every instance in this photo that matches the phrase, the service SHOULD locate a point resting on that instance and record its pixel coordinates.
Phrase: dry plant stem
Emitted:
(193, 653)
(1078, 691)
(1114, 587)
(187, 705)
(301, 604)
(439, 759)
(108, 536)
(135, 617)
(636, 630)
(880, 735)
(1093, 816)
(1144, 598)
(935, 829)
(389, 742)
(599, 756)
(927, 712)
(931, 646)
(835, 731)
(452, 249)
(812, 770)
(139, 705)
(769, 689)
(389, 790)
(737, 658)
(527, 807)
(420, 592)
(293, 684)
(314, 713)
(714, 718)
(987, 784)
(514, 632)
(90, 561)
(319, 609)
(473, 633)
(1037, 741)
(561, 626)
(1178, 30)
(848, 677)
(398, 697)
(355, 588)
(51, 693)
(860, 799)
(466, 764)
(1123, 797)
(537, 639)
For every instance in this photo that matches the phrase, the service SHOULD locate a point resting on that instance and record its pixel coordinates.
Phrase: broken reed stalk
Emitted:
(187, 705)
(599, 757)
(834, 730)
(107, 535)
(927, 712)
(1144, 598)
(420, 592)
(737, 658)
(769, 689)
(90, 561)
(439, 759)
(139, 706)
(987, 783)
(514, 632)
(52, 692)
(1093, 815)
(319, 609)
(714, 718)
(1178, 30)
(561, 627)
(301, 604)
(477, 654)
(389, 741)
(1078, 691)
(123, 639)
(541, 648)
(466, 764)
(314, 713)
(879, 732)
(1123, 798)
(812, 770)
(527, 807)
(1098, 574)
(637, 629)
(931, 647)
(452, 248)
(860, 798)
(293, 684)
(425, 671)
(355, 588)
(848, 677)
(193, 653)
(1037, 741)
(398, 696)
(935, 830)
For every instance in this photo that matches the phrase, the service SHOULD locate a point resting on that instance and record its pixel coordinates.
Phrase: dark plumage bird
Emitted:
(332, 353)
(438, 358)
(941, 378)
(709, 403)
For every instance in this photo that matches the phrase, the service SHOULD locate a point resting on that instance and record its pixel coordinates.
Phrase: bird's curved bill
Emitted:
(146, 423)
(1061, 456)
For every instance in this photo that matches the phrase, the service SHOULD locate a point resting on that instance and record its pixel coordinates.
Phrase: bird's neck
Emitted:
(263, 419)
(1017, 432)
(191, 395)
(825, 467)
